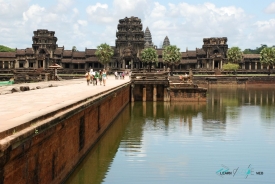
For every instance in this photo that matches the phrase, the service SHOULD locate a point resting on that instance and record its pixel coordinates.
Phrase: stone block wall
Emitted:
(187, 95)
(56, 147)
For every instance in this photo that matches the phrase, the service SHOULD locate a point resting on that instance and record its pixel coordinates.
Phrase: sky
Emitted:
(88, 23)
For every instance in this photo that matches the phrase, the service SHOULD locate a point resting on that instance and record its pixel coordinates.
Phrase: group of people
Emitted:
(94, 76)
(122, 74)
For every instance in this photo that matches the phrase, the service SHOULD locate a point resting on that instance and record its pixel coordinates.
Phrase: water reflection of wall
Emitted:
(97, 162)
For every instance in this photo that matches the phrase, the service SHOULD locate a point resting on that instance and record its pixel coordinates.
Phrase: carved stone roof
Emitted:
(29, 51)
(20, 52)
(58, 50)
(78, 54)
(91, 59)
(7, 54)
(67, 53)
(166, 42)
(159, 52)
(191, 53)
(90, 52)
(251, 56)
(184, 55)
(200, 51)
(66, 60)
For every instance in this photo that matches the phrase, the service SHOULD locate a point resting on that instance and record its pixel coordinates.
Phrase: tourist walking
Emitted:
(88, 77)
(104, 76)
(116, 75)
(100, 77)
(96, 77)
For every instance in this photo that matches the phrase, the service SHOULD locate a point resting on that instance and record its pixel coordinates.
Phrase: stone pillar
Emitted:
(44, 64)
(9, 65)
(46, 76)
(243, 65)
(250, 65)
(155, 93)
(144, 94)
(123, 64)
(256, 67)
(132, 93)
(207, 64)
(213, 64)
(262, 66)
(3, 66)
(166, 96)
(221, 64)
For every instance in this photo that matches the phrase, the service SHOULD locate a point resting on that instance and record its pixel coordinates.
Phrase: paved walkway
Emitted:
(20, 107)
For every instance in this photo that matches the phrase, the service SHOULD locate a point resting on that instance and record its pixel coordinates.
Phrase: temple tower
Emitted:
(44, 45)
(148, 38)
(129, 42)
(166, 42)
(215, 49)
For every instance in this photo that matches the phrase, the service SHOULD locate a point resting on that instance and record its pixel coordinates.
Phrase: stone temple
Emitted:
(130, 40)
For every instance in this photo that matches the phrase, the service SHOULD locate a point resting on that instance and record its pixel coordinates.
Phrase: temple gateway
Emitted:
(130, 41)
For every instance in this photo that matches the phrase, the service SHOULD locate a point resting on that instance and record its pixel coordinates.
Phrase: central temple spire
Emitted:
(166, 42)
(148, 38)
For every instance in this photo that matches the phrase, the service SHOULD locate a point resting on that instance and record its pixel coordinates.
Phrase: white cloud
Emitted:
(270, 8)
(63, 6)
(128, 8)
(99, 13)
(158, 11)
(187, 24)
(82, 22)
(34, 13)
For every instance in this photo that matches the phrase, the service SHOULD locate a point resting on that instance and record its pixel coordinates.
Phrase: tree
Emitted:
(74, 48)
(6, 49)
(268, 57)
(171, 55)
(234, 54)
(149, 56)
(104, 53)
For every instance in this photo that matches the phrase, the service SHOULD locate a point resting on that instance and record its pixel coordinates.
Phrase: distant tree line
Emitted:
(257, 50)
(6, 49)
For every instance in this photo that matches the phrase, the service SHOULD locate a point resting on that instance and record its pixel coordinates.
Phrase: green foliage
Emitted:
(255, 51)
(149, 55)
(230, 66)
(6, 49)
(171, 55)
(268, 56)
(234, 54)
(74, 48)
(104, 53)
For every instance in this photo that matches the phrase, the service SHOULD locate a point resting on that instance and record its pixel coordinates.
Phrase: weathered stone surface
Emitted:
(52, 85)
(16, 89)
(6, 92)
(24, 88)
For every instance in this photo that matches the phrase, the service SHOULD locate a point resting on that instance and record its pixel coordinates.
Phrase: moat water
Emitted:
(228, 139)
